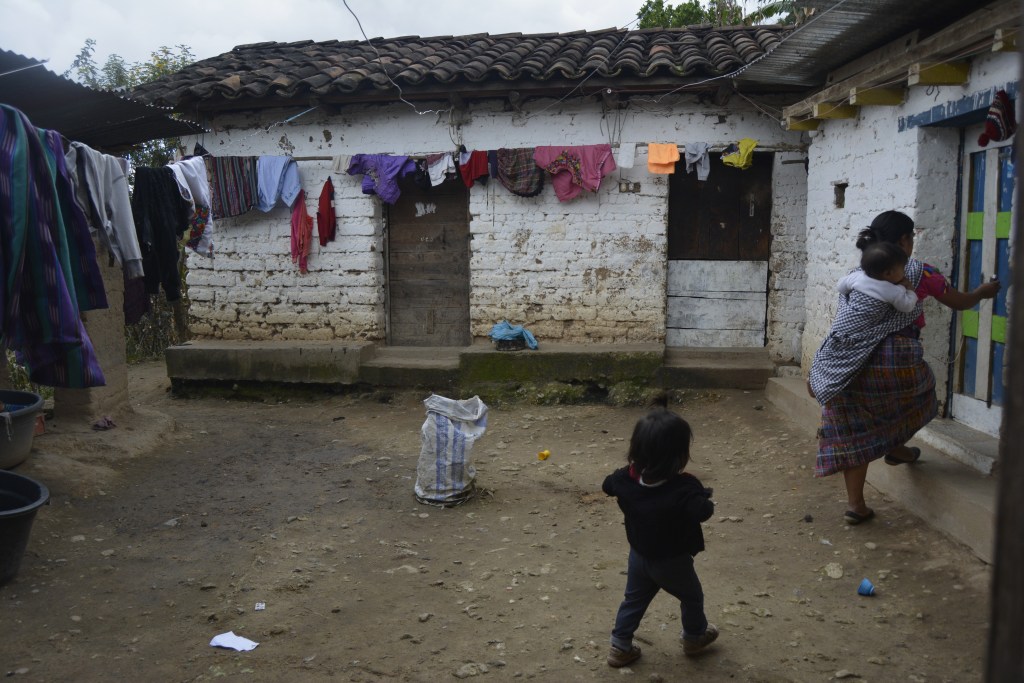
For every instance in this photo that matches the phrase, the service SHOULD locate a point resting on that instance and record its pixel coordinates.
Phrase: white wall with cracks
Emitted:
(589, 270)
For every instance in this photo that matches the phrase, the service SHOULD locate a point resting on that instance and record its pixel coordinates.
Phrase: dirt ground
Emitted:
(172, 527)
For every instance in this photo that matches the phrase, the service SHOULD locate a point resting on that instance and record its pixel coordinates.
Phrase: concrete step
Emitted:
(306, 362)
(436, 368)
(554, 362)
(444, 367)
(692, 368)
(947, 494)
(977, 450)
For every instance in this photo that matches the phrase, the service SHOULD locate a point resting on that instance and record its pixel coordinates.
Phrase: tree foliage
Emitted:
(659, 14)
(119, 75)
(165, 325)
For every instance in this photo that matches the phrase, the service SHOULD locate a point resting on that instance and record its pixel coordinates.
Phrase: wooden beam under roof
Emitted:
(976, 28)
(834, 110)
(942, 73)
(877, 97)
(1005, 40)
(802, 124)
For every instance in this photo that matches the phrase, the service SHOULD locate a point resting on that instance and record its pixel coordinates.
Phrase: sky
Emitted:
(56, 30)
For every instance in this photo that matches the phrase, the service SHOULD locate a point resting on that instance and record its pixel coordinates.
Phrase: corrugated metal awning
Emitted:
(103, 120)
(840, 31)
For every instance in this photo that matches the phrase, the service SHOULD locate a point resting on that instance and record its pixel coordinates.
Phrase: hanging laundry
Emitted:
(627, 155)
(190, 175)
(492, 163)
(1001, 120)
(136, 301)
(161, 216)
(574, 169)
(278, 180)
(518, 172)
(234, 185)
(440, 167)
(339, 164)
(696, 157)
(302, 233)
(45, 237)
(662, 157)
(381, 173)
(76, 242)
(743, 157)
(101, 191)
(473, 167)
(421, 176)
(326, 221)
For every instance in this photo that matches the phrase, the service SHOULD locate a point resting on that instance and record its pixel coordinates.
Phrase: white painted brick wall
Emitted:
(914, 171)
(593, 269)
(786, 266)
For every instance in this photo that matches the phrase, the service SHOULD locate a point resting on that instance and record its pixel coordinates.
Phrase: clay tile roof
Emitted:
(348, 70)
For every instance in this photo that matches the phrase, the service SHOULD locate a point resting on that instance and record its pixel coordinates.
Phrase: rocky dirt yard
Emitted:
(172, 527)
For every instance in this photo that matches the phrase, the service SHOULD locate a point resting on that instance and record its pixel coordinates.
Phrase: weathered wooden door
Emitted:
(719, 240)
(989, 181)
(428, 266)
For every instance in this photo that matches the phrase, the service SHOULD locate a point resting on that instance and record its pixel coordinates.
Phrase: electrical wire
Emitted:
(383, 68)
(30, 66)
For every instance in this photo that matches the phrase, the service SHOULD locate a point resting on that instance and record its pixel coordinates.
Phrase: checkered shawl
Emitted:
(861, 323)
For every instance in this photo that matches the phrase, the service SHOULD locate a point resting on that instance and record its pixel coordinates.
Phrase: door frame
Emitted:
(975, 412)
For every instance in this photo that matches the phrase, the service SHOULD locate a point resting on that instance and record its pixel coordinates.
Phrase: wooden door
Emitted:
(724, 218)
(428, 266)
(989, 182)
(719, 241)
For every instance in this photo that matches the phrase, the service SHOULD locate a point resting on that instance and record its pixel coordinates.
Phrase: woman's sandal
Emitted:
(890, 460)
(854, 518)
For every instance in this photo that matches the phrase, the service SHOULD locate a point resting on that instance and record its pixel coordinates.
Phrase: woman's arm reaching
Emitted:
(961, 301)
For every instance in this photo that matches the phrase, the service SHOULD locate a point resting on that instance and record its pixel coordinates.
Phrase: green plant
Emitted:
(17, 375)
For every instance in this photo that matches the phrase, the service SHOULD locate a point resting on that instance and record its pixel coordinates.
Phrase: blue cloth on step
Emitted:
(508, 332)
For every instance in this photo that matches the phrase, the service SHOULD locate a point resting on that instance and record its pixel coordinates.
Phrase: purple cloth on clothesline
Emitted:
(381, 173)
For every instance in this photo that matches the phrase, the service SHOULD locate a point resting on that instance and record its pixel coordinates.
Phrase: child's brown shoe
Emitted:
(618, 658)
(692, 647)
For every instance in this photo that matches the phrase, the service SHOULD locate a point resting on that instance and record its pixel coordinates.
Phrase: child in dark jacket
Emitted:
(663, 508)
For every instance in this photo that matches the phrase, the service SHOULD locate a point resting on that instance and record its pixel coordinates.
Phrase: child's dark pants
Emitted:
(677, 577)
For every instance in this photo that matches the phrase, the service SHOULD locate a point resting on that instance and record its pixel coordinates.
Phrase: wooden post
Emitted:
(106, 330)
(1005, 654)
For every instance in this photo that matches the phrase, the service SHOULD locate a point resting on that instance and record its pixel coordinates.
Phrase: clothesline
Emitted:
(639, 145)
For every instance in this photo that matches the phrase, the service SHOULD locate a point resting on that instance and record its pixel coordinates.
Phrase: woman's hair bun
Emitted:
(867, 236)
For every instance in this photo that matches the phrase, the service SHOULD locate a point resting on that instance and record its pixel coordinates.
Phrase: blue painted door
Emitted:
(990, 177)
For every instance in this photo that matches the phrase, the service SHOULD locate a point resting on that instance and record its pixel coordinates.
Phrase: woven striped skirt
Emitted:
(884, 405)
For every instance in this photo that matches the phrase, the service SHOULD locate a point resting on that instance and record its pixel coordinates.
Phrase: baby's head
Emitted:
(884, 261)
(660, 445)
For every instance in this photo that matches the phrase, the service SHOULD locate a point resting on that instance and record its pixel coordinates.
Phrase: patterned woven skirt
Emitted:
(884, 405)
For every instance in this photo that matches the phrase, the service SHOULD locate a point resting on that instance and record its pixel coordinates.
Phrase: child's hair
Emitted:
(888, 226)
(879, 257)
(660, 445)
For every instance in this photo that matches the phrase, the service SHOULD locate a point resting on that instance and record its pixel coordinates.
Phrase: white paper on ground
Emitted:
(233, 642)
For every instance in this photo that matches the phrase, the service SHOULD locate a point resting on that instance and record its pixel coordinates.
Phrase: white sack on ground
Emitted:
(445, 474)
